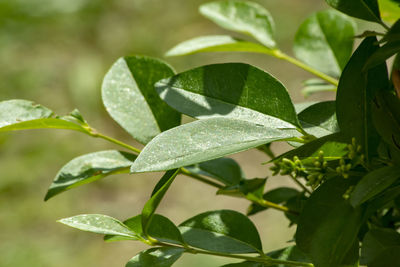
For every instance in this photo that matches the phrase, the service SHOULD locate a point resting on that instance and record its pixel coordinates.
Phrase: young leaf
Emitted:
(100, 224)
(21, 114)
(160, 228)
(203, 140)
(225, 231)
(355, 95)
(374, 183)
(129, 97)
(376, 242)
(319, 119)
(216, 43)
(156, 257)
(325, 41)
(241, 16)
(225, 170)
(234, 90)
(328, 225)
(89, 168)
(333, 147)
(362, 9)
(279, 195)
(152, 204)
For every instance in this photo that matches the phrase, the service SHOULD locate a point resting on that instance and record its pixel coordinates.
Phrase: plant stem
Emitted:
(268, 204)
(199, 178)
(262, 259)
(115, 141)
(279, 54)
(300, 184)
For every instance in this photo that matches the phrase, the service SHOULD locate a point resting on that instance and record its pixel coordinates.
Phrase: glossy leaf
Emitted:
(234, 90)
(225, 170)
(156, 257)
(320, 119)
(129, 97)
(100, 224)
(89, 168)
(328, 225)
(225, 231)
(374, 183)
(160, 228)
(362, 9)
(325, 41)
(216, 43)
(355, 95)
(152, 204)
(376, 242)
(279, 195)
(241, 16)
(203, 140)
(18, 114)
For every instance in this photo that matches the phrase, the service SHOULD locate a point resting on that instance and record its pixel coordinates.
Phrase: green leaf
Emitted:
(100, 224)
(130, 98)
(390, 10)
(386, 117)
(333, 146)
(328, 225)
(325, 41)
(320, 119)
(160, 228)
(292, 253)
(362, 9)
(225, 231)
(89, 168)
(376, 242)
(234, 90)
(216, 43)
(387, 258)
(355, 95)
(203, 140)
(392, 47)
(156, 257)
(374, 183)
(279, 195)
(152, 204)
(225, 170)
(21, 114)
(241, 16)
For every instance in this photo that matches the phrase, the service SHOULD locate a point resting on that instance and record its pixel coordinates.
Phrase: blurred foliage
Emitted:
(55, 52)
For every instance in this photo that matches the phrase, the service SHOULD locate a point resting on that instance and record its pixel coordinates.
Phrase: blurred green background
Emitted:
(55, 52)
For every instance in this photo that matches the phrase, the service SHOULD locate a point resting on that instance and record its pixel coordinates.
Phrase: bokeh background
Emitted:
(56, 52)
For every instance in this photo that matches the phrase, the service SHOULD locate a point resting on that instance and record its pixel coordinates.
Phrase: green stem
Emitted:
(199, 178)
(268, 204)
(279, 54)
(300, 184)
(115, 141)
(263, 259)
